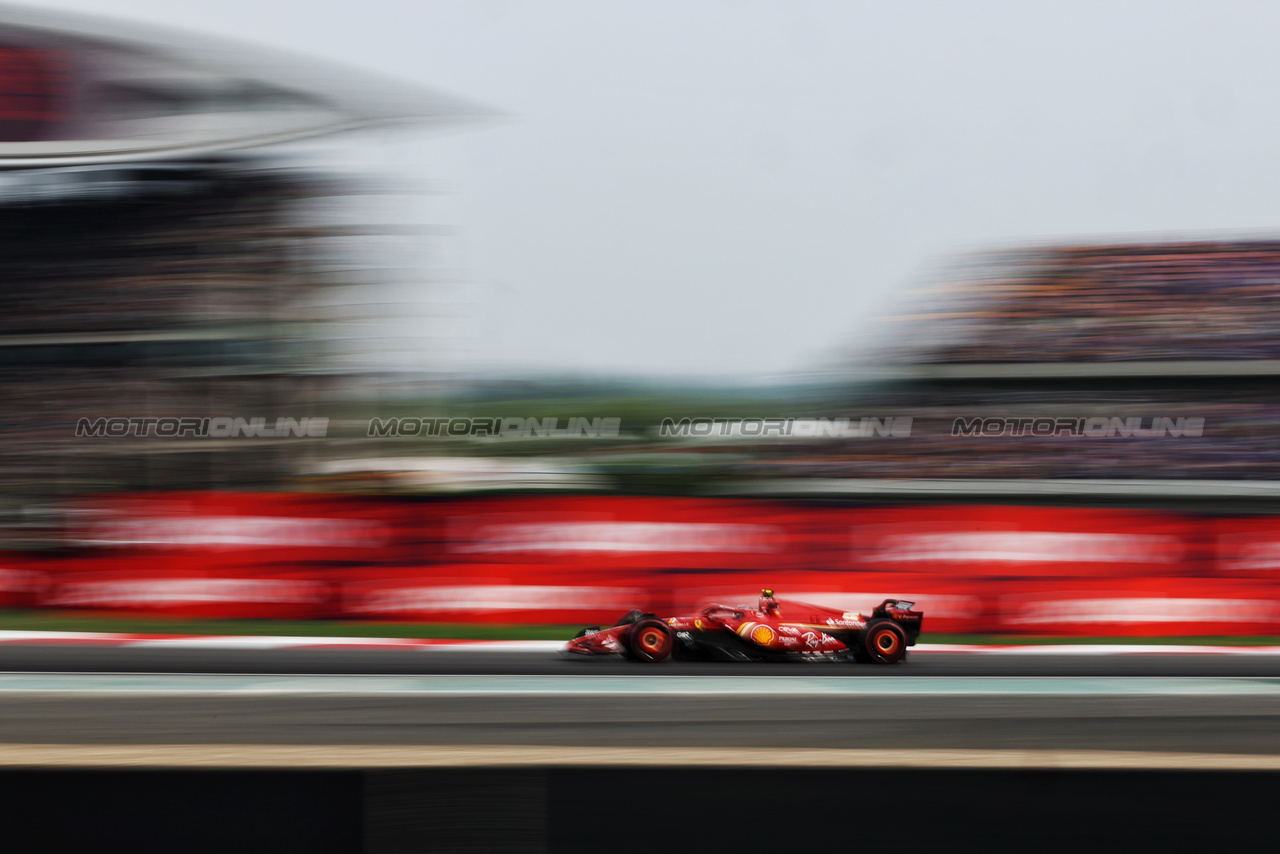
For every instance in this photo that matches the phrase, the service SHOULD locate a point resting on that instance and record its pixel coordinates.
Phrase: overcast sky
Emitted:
(737, 188)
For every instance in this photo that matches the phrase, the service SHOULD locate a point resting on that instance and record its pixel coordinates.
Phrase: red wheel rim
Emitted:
(885, 642)
(652, 641)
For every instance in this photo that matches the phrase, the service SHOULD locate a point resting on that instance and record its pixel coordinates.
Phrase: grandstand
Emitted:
(1077, 337)
(1215, 301)
(163, 255)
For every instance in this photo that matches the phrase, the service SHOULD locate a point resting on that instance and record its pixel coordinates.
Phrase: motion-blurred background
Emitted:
(538, 323)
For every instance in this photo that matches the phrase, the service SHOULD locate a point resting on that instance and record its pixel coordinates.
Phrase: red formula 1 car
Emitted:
(778, 629)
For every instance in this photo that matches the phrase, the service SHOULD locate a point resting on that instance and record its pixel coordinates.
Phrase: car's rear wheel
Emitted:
(883, 643)
(650, 640)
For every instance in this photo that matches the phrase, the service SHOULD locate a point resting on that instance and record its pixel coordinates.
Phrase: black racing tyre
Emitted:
(650, 641)
(884, 642)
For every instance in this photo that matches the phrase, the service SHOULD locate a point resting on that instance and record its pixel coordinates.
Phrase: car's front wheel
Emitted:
(650, 640)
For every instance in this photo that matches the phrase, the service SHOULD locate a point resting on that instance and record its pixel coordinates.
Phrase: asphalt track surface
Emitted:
(478, 661)
(1229, 704)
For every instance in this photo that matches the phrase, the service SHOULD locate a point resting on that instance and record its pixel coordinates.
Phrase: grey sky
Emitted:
(736, 188)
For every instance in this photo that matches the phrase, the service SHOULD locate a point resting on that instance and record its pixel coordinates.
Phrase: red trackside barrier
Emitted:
(586, 559)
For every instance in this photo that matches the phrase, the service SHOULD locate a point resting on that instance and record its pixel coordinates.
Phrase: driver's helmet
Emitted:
(768, 605)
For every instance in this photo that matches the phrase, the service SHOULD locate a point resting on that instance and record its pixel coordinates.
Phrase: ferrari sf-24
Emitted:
(777, 629)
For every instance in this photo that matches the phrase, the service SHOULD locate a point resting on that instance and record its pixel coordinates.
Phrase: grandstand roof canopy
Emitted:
(83, 90)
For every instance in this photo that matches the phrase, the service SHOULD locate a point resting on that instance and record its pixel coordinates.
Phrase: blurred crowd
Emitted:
(172, 252)
(170, 298)
(179, 290)
(1237, 441)
(1242, 448)
(1133, 302)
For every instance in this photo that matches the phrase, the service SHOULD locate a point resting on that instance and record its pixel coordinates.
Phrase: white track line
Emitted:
(1094, 649)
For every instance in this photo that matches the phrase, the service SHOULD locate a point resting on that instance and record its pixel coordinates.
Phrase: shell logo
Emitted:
(762, 635)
